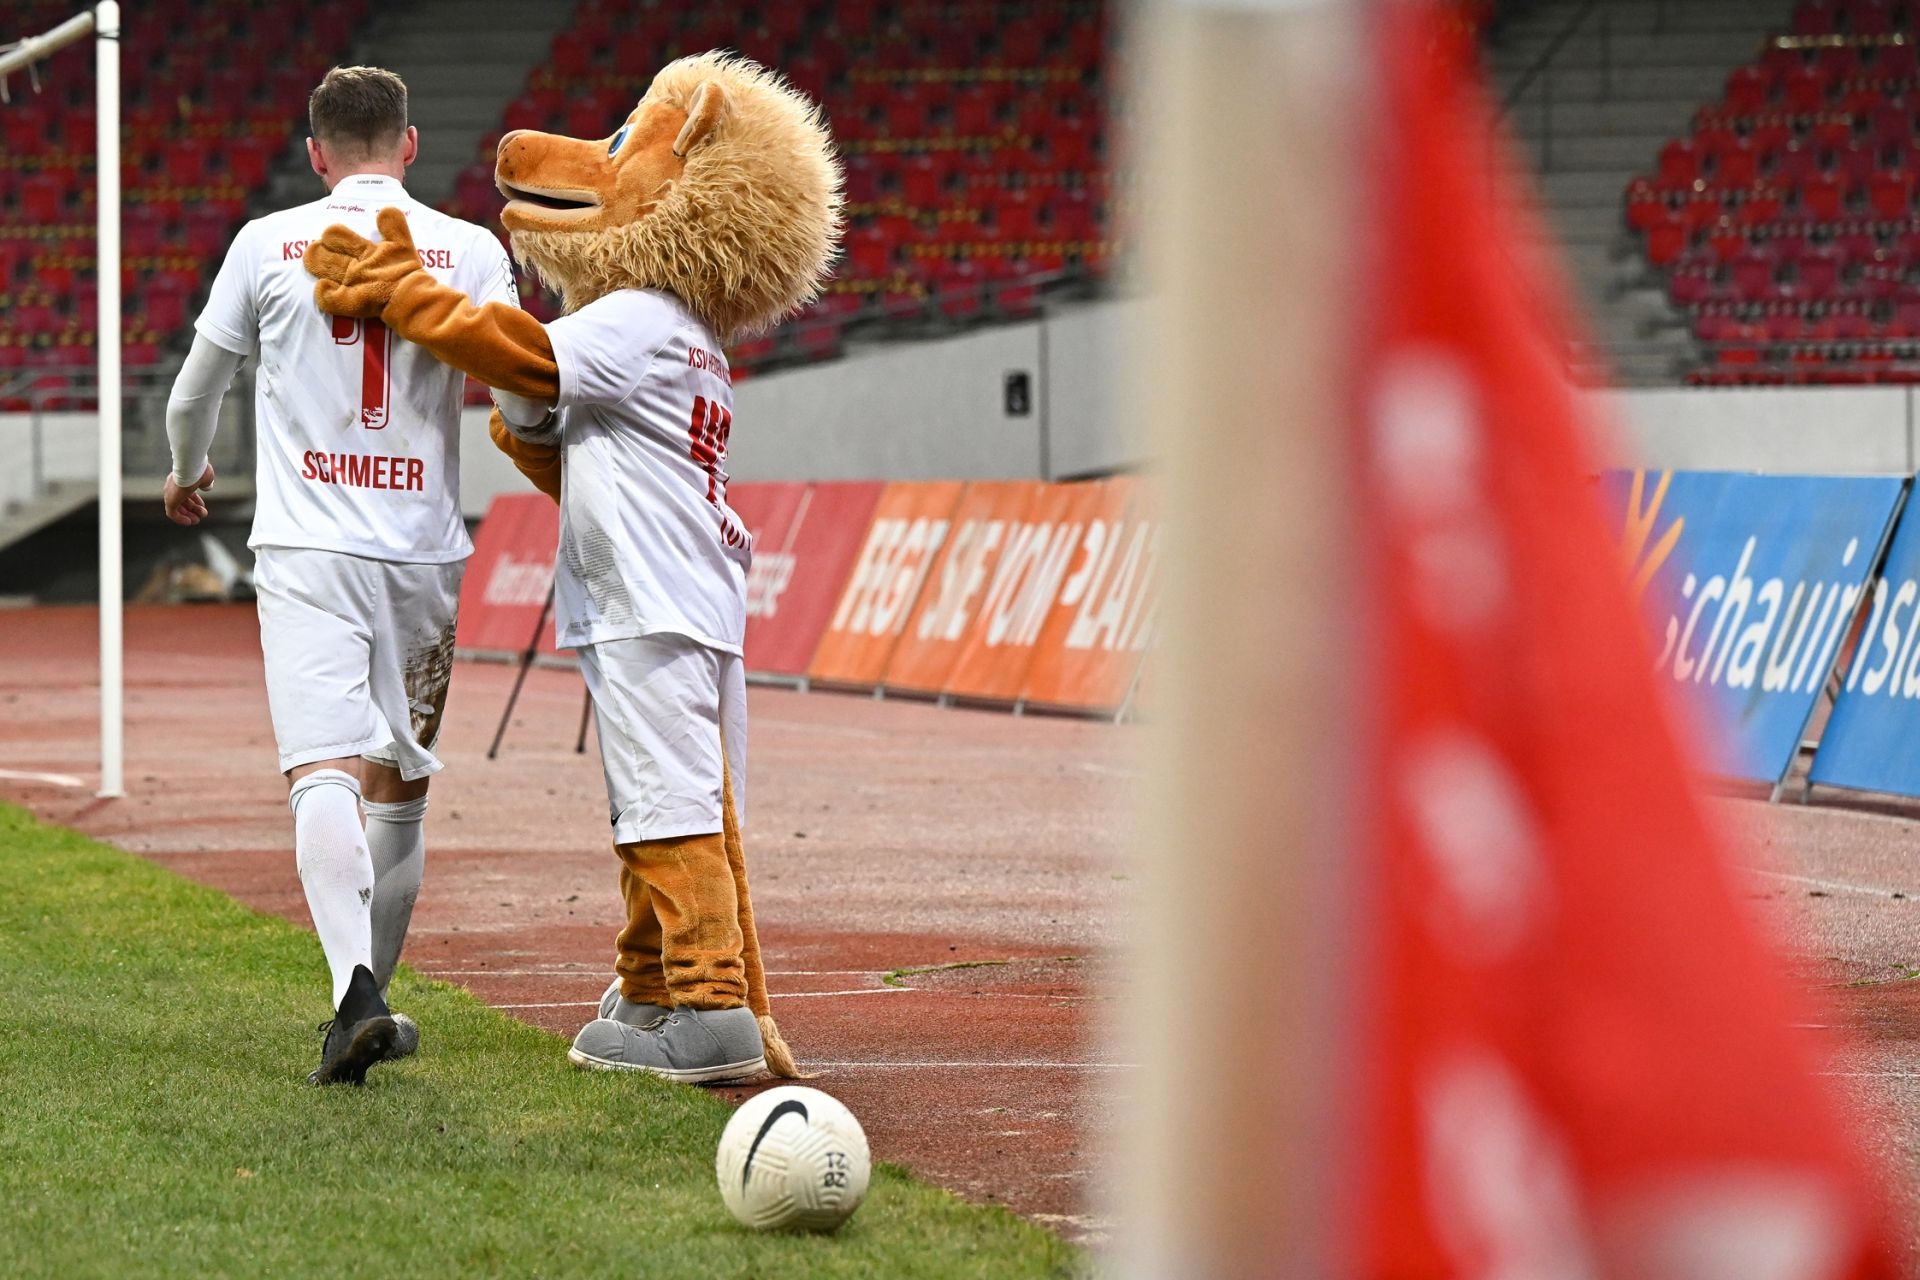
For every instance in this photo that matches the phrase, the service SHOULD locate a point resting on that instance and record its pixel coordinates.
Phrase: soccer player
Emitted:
(358, 539)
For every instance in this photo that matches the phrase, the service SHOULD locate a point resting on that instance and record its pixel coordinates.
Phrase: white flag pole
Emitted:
(1241, 952)
(107, 175)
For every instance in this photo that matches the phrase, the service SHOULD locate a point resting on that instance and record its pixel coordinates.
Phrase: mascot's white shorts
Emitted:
(358, 655)
(672, 719)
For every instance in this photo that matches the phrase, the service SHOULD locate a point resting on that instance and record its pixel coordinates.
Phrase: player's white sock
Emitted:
(397, 839)
(330, 848)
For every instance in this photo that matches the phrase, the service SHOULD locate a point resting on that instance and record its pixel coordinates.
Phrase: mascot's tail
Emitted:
(779, 1056)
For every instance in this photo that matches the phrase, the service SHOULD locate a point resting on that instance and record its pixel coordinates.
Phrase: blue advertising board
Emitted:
(1749, 584)
(1872, 740)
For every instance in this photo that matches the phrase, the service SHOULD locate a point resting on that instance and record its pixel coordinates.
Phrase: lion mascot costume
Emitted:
(711, 213)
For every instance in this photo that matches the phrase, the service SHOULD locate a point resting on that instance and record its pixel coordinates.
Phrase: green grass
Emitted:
(155, 1120)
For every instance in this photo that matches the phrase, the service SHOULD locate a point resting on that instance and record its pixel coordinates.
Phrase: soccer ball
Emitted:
(793, 1158)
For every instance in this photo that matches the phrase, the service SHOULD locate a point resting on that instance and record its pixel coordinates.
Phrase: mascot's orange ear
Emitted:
(709, 105)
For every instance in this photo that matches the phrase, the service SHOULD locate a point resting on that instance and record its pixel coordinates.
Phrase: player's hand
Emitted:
(183, 501)
(357, 276)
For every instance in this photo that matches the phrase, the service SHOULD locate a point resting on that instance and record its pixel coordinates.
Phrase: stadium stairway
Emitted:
(1629, 77)
(463, 61)
(60, 498)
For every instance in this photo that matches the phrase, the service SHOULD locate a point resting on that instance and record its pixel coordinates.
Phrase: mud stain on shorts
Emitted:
(427, 671)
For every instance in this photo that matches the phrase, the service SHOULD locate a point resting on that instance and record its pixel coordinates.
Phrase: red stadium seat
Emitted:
(1665, 243)
(1814, 278)
(1804, 90)
(1821, 198)
(1752, 274)
(1678, 164)
(922, 181)
(1814, 18)
(248, 159)
(1645, 206)
(165, 307)
(1725, 240)
(1748, 91)
(1867, 17)
(1016, 217)
(1897, 61)
(1734, 166)
(1890, 194)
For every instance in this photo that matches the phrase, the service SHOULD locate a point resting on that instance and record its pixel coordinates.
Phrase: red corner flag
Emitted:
(1580, 1059)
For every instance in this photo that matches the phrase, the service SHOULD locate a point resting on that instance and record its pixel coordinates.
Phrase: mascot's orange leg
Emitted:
(779, 1056)
(637, 948)
(691, 884)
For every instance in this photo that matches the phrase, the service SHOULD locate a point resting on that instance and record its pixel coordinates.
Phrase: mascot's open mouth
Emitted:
(557, 201)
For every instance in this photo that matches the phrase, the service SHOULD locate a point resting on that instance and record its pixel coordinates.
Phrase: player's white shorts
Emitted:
(669, 711)
(358, 654)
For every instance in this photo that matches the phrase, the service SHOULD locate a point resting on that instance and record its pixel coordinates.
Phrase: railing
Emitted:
(1536, 71)
(1015, 298)
(1747, 362)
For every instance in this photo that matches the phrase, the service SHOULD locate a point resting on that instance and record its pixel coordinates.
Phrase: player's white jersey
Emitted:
(647, 541)
(358, 431)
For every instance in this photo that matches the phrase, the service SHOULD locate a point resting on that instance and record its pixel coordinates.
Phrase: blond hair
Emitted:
(745, 235)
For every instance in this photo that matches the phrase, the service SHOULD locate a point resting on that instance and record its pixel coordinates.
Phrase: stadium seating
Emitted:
(1785, 223)
(200, 129)
(974, 137)
(973, 133)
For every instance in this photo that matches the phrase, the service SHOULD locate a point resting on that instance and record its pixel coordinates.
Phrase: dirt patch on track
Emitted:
(889, 841)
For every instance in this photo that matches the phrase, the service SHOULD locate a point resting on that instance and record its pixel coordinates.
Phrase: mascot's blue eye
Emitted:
(618, 138)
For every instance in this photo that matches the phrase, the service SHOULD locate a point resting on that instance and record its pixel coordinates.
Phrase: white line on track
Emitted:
(1834, 886)
(1109, 771)
(823, 730)
(990, 1066)
(601, 973)
(777, 995)
(553, 1004)
(827, 995)
(50, 779)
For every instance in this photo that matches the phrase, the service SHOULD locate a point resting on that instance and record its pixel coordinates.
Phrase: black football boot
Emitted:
(362, 1033)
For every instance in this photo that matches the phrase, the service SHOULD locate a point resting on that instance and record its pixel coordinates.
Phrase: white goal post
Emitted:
(103, 23)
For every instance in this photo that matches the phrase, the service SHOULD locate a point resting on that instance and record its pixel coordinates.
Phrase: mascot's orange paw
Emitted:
(356, 276)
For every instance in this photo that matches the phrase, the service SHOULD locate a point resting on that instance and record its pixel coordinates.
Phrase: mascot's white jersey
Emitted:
(358, 431)
(647, 541)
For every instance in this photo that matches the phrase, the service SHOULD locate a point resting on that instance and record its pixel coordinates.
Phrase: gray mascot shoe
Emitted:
(406, 1038)
(690, 1046)
(620, 1009)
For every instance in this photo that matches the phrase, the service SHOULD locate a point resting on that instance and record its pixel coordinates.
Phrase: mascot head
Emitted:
(721, 188)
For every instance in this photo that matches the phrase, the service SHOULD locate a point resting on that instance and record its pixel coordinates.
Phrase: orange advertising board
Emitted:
(904, 539)
(1041, 554)
(1092, 641)
(983, 524)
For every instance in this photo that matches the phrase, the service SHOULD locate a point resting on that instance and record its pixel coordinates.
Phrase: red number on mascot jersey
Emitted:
(376, 375)
(712, 424)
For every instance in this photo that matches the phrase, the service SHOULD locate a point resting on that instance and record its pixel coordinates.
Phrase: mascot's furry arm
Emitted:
(501, 346)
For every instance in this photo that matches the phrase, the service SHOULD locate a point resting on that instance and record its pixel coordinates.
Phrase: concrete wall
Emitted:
(69, 446)
(934, 410)
(1807, 430)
